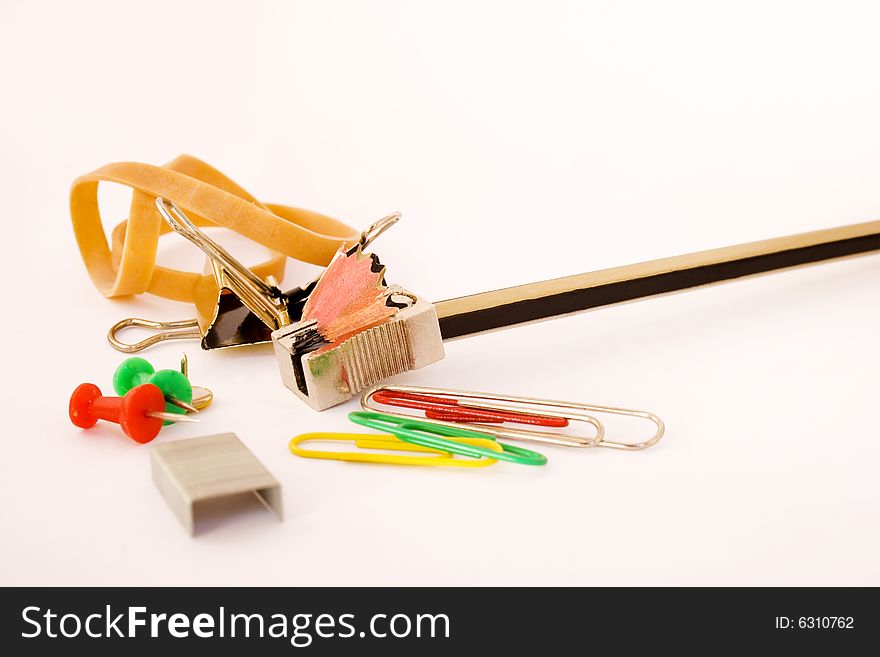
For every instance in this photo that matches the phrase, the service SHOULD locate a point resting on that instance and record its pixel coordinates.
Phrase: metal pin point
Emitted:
(171, 417)
(174, 401)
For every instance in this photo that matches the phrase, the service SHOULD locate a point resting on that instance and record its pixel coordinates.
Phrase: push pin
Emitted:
(175, 387)
(180, 396)
(140, 412)
(202, 397)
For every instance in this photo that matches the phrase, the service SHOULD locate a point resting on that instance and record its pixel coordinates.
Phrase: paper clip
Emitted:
(445, 438)
(390, 443)
(484, 411)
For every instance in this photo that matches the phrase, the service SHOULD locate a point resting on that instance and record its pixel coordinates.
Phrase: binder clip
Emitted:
(223, 318)
(337, 336)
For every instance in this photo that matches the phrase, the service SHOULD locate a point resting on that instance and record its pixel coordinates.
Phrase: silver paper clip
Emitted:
(485, 412)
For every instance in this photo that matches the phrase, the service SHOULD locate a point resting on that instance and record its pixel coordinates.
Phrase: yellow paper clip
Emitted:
(390, 443)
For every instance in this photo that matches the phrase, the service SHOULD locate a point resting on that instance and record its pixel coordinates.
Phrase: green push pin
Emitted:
(173, 384)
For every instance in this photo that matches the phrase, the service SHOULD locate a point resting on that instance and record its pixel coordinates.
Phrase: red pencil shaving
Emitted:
(349, 298)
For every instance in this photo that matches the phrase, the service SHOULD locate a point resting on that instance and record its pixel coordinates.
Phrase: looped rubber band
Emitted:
(211, 199)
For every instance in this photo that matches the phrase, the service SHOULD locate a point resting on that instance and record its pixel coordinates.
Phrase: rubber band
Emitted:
(211, 199)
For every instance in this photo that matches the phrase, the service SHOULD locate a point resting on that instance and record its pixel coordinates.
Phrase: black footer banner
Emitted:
(417, 621)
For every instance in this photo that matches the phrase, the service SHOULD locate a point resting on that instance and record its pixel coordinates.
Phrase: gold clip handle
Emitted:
(171, 331)
(261, 299)
(377, 228)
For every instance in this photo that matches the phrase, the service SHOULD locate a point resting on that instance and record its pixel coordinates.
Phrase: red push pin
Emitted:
(140, 413)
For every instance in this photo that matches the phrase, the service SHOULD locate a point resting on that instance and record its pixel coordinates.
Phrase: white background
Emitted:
(521, 141)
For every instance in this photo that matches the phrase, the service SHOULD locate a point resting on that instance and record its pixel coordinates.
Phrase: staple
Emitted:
(195, 470)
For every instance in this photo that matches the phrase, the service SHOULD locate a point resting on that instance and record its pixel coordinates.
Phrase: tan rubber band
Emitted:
(211, 199)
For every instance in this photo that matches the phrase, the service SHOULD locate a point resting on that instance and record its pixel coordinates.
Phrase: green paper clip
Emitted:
(431, 435)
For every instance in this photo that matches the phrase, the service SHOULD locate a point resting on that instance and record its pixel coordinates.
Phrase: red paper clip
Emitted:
(487, 412)
(451, 410)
